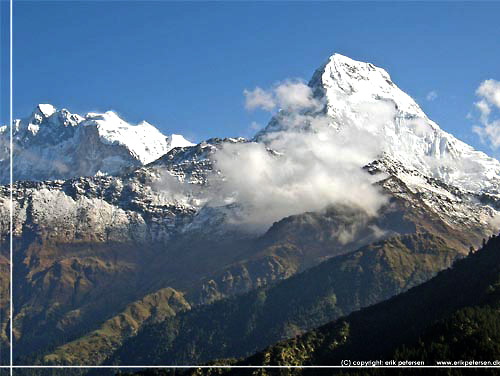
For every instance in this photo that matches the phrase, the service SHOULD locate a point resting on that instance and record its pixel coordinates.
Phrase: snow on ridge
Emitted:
(143, 140)
(357, 92)
(177, 140)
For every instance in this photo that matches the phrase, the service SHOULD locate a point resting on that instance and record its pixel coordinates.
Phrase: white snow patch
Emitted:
(46, 109)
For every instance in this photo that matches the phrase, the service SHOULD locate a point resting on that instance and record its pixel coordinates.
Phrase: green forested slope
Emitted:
(238, 326)
(454, 316)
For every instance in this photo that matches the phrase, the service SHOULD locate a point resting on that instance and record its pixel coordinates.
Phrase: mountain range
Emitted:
(125, 239)
(51, 144)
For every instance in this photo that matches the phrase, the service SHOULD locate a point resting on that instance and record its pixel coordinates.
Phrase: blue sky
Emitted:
(183, 66)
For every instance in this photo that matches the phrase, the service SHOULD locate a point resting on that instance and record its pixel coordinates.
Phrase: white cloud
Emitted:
(290, 95)
(484, 108)
(489, 130)
(310, 172)
(432, 95)
(295, 96)
(490, 90)
(258, 98)
(489, 133)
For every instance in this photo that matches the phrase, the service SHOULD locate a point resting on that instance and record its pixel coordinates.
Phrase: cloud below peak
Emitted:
(302, 163)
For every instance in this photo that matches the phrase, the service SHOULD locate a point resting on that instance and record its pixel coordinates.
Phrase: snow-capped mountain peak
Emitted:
(42, 111)
(57, 144)
(360, 81)
(358, 95)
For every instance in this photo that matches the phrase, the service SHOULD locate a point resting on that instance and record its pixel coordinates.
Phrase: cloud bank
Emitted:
(300, 163)
(303, 165)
